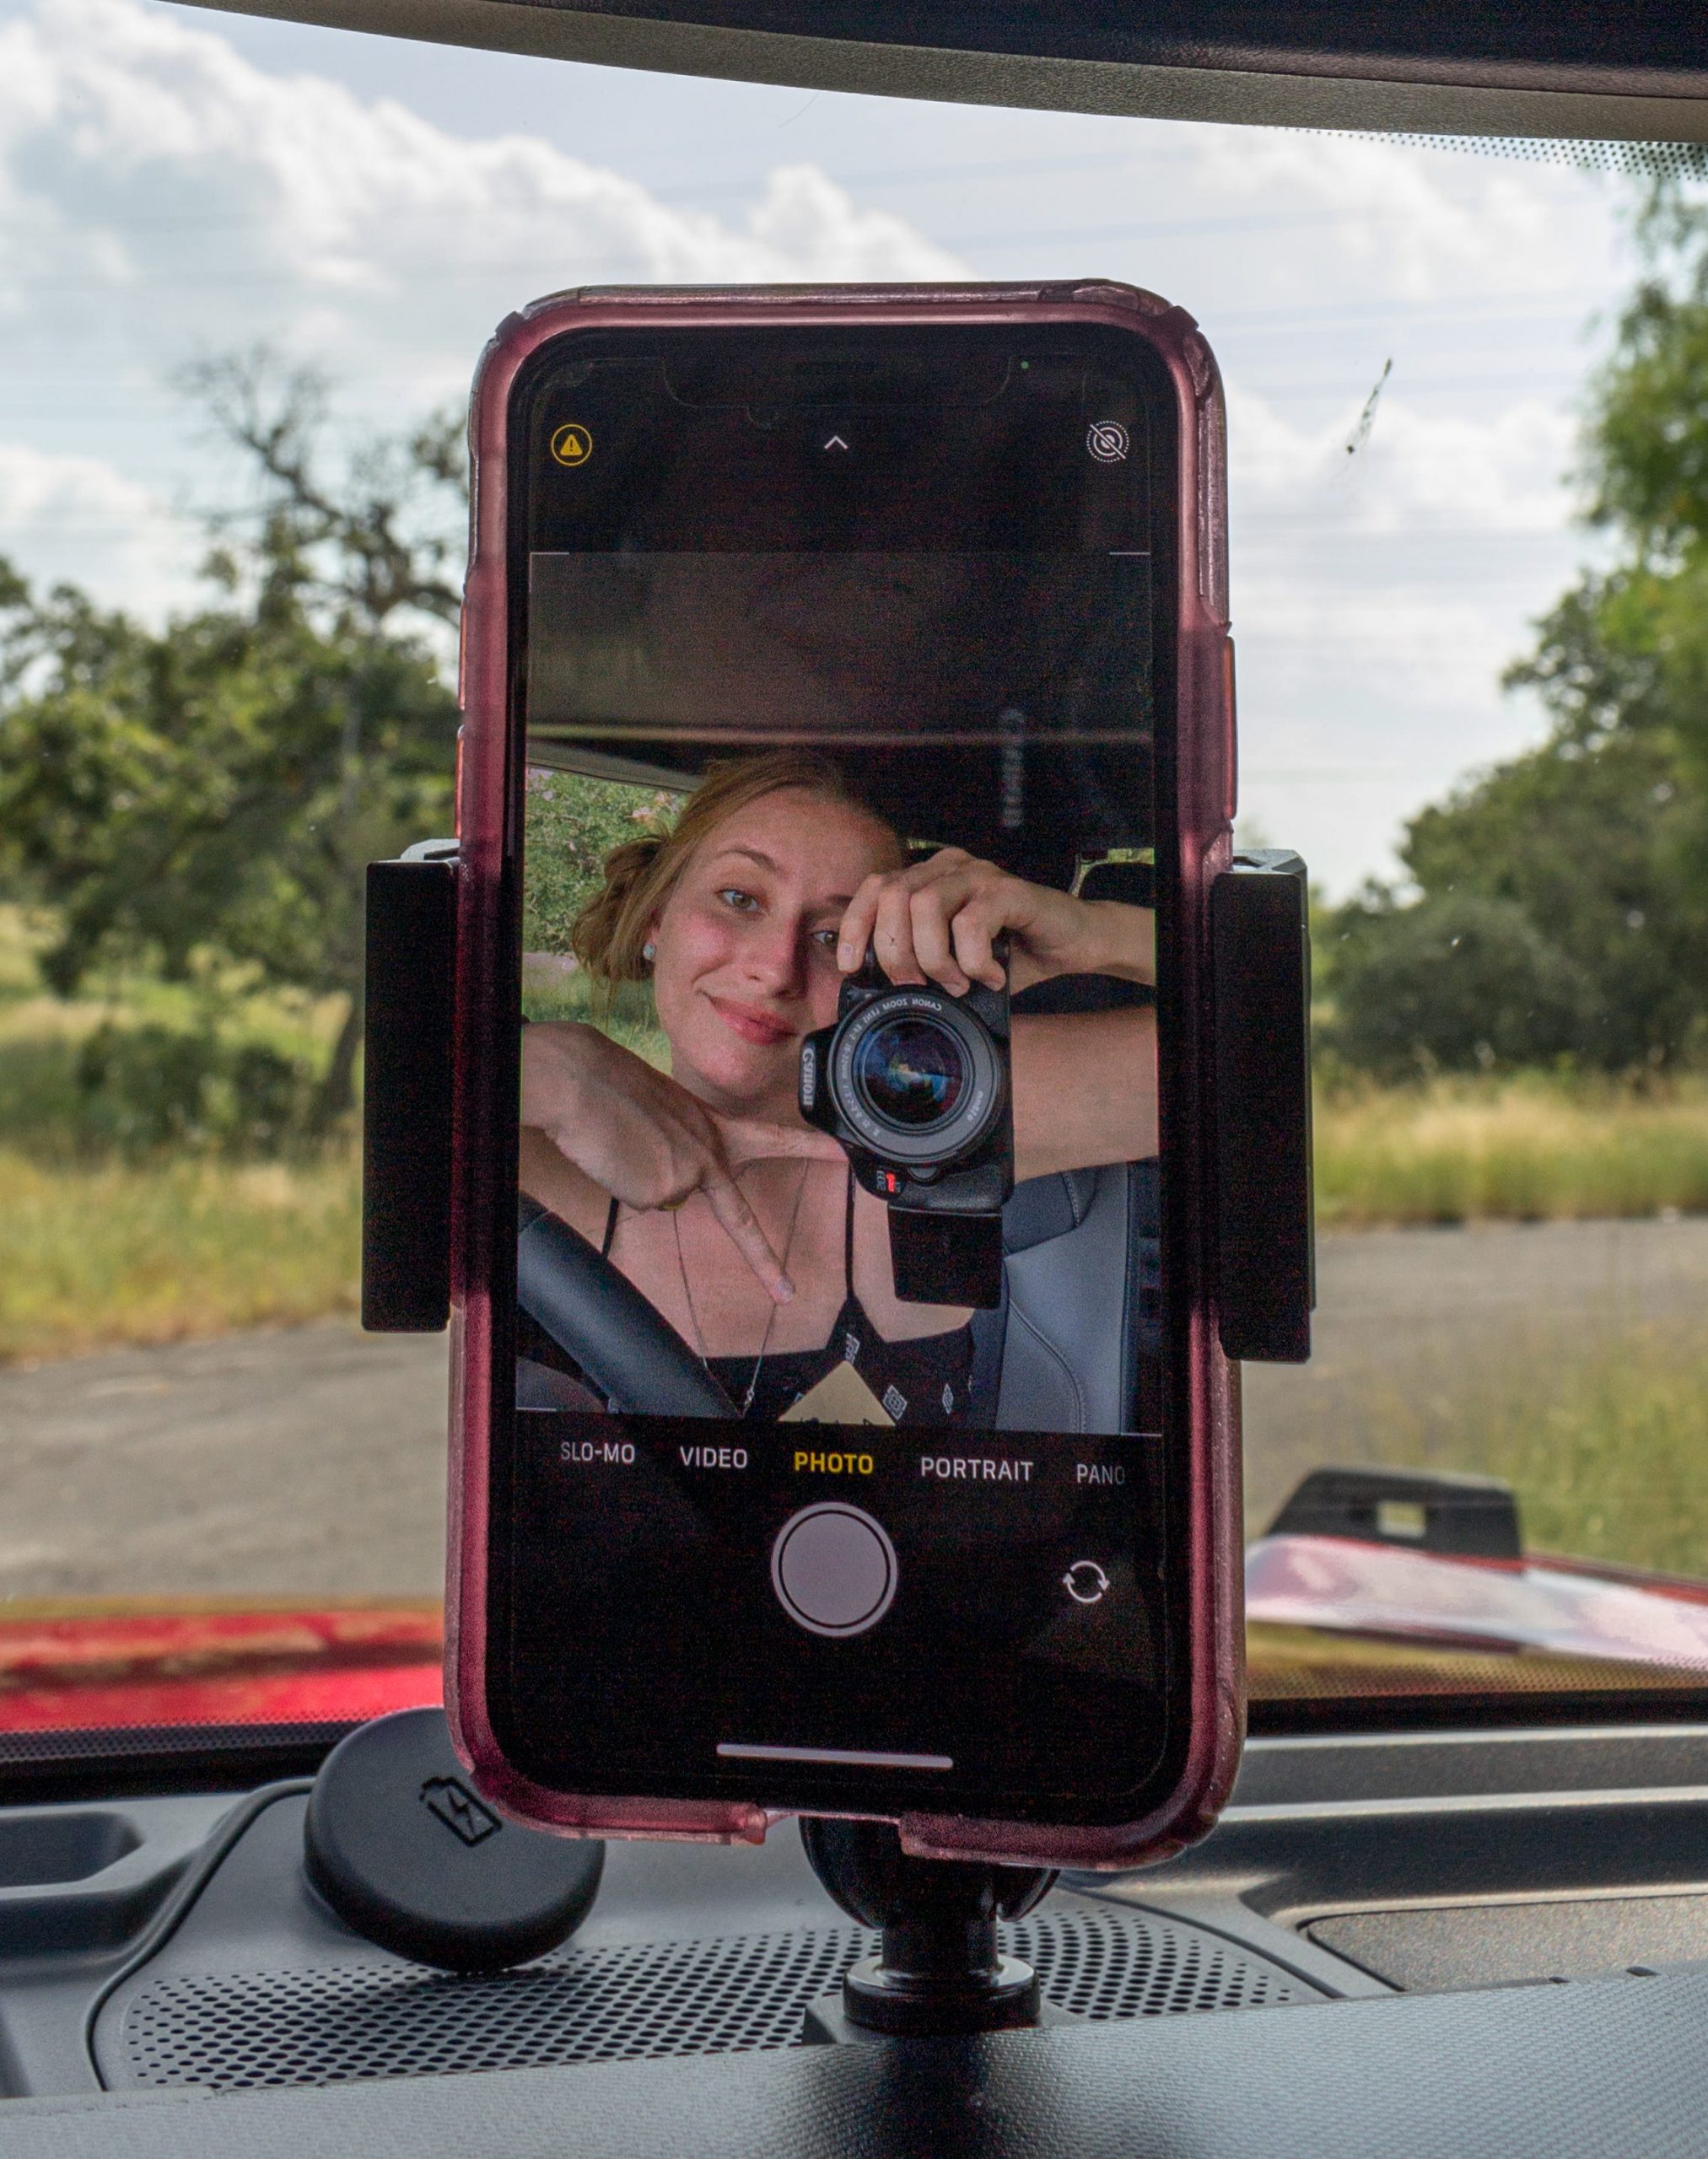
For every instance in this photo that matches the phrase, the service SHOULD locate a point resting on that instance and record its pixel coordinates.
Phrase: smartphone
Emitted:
(839, 1424)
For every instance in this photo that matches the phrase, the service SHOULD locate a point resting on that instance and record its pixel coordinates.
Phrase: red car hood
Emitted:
(136, 1665)
(65, 1667)
(1562, 1608)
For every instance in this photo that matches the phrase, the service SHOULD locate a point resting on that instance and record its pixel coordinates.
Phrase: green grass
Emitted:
(1607, 1450)
(95, 1255)
(97, 1250)
(47, 1114)
(630, 1018)
(1528, 1149)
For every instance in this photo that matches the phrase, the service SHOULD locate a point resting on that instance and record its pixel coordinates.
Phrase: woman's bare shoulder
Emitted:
(545, 1173)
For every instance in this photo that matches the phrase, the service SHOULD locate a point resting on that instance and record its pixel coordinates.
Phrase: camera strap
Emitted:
(947, 1259)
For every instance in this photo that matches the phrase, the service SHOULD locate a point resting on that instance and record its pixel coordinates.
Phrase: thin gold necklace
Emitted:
(770, 1317)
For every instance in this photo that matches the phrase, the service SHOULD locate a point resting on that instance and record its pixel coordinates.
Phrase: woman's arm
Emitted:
(546, 1173)
(1084, 1090)
(621, 1127)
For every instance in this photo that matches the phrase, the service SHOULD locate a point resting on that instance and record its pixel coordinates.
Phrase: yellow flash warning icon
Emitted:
(571, 444)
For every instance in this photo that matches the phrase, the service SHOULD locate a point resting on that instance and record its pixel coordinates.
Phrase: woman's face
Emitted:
(746, 962)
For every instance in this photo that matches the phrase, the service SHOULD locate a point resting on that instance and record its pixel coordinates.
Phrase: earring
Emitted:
(649, 952)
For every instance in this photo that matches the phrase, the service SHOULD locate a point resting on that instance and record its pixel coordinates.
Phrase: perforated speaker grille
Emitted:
(232, 2032)
(1104, 1965)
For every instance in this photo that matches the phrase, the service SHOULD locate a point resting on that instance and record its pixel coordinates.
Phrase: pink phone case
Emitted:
(1205, 771)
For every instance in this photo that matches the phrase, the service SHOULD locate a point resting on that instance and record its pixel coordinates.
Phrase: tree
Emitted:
(572, 825)
(1458, 982)
(219, 786)
(375, 546)
(1599, 838)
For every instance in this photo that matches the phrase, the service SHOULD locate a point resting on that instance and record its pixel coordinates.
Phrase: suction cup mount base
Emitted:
(940, 1971)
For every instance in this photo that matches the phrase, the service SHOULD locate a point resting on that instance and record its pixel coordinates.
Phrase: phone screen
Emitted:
(832, 1461)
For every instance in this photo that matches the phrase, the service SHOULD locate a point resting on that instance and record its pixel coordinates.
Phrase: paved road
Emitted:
(311, 1459)
(307, 1458)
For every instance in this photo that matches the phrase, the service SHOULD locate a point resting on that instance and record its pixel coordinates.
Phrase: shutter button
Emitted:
(833, 1569)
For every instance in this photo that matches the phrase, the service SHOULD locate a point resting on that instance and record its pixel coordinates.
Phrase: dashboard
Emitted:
(1432, 1943)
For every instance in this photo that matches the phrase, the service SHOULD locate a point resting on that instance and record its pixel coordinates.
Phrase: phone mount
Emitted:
(939, 1972)
(410, 1001)
(1260, 951)
(411, 1857)
(1265, 1224)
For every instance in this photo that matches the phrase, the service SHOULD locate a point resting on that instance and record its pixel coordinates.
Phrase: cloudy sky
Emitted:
(176, 184)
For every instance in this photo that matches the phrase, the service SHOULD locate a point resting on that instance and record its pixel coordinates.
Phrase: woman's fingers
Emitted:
(975, 929)
(735, 1141)
(954, 910)
(855, 932)
(929, 891)
(738, 1218)
(930, 913)
(892, 934)
(879, 911)
(937, 921)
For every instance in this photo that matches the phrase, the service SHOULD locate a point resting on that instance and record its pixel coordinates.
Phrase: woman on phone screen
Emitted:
(742, 1224)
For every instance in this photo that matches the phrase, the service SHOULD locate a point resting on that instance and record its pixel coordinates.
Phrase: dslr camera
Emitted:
(915, 1084)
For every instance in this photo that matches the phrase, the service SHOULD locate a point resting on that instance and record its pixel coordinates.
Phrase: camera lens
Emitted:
(911, 1072)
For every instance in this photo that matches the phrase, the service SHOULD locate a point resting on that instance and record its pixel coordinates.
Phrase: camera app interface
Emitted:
(837, 1445)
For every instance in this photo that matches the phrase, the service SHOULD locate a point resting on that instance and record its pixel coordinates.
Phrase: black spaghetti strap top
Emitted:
(928, 1380)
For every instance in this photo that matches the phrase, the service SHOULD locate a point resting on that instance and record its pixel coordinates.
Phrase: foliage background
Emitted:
(198, 803)
(1554, 908)
(573, 824)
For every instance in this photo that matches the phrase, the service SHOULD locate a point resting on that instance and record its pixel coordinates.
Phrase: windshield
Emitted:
(249, 268)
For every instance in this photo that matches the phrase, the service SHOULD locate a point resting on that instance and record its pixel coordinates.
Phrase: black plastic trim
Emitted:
(1266, 1255)
(138, 1761)
(407, 1097)
(1329, 1714)
(1659, 45)
(1571, 71)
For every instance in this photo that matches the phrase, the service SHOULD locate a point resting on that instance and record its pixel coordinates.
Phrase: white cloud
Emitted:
(317, 212)
(34, 487)
(1379, 598)
(77, 518)
(1405, 220)
(1411, 563)
(1504, 471)
(162, 196)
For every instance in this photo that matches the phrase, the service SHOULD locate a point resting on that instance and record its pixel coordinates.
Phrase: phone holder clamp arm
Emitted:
(409, 997)
(1265, 1230)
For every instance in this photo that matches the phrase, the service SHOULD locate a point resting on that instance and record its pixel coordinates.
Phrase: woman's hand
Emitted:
(937, 921)
(640, 1134)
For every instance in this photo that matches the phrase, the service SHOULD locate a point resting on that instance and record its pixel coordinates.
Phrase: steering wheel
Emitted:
(631, 1355)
